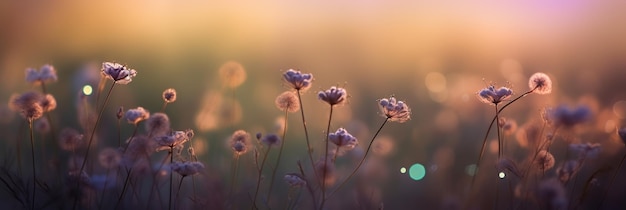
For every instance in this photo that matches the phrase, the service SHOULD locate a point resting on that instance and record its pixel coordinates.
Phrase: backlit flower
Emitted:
(343, 139)
(46, 73)
(137, 115)
(333, 96)
(119, 73)
(187, 168)
(395, 110)
(491, 95)
(169, 95)
(540, 83)
(297, 80)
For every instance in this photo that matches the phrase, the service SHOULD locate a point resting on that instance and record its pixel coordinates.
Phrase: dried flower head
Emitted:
(169, 95)
(271, 140)
(158, 124)
(137, 115)
(540, 83)
(48, 103)
(287, 101)
(297, 80)
(240, 141)
(567, 170)
(28, 105)
(343, 139)
(232, 74)
(46, 73)
(493, 96)
(173, 139)
(110, 158)
(544, 160)
(70, 139)
(333, 96)
(189, 168)
(294, 180)
(567, 116)
(119, 73)
(395, 111)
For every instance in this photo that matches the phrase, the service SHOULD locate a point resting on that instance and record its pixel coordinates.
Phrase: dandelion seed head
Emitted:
(540, 83)
(394, 110)
(48, 103)
(70, 139)
(297, 80)
(333, 96)
(137, 115)
(343, 139)
(119, 73)
(232, 74)
(544, 160)
(109, 158)
(169, 95)
(28, 105)
(158, 124)
(287, 101)
(294, 180)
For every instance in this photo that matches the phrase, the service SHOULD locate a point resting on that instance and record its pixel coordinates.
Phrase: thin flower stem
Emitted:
(306, 134)
(32, 150)
(323, 180)
(500, 147)
(119, 200)
(163, 107)
(280, 152)
(93, 131)
(171, 175)
(180, 184)
(234, 171)
(359, 165)
(606, 193)
(258, 180)
(308, 187)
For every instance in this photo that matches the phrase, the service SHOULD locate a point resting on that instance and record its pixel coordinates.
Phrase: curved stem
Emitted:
(360, 163)
(306, 134)
(258, 180)
(234, 170)
(280, 152)
(500, 147)
(32, 150)
(180, 184)
(93, 131)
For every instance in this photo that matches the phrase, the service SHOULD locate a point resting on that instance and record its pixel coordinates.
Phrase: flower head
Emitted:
(585, 150)
(297, 80)
(46, 73)
(232, 74)
(287, 101)
(70, 139)
(544, 160)
(343, 139)
(540, 83)
(568, 116)
(169, 95)
(187, 168)
(491, 95)
(271, 140)
(171, 140)
(29, 104)
(294, 180)
(239, 141)
(137, 115)
(333, 96)
(395, 110)
(118, 73)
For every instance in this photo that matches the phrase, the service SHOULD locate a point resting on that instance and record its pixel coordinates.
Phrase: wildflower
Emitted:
(46, 73)
(552, 193)
(544, 160)
(28, 104)
(298, 80)
(622, 134)
(158, 124)
(287, 101)
(70, 139)
(187, 168)
(119, 73)
(343, 139)
(232, 74)
(271, 140)
(540, 83)
(137, 115)
(586, 149)
(169, 95)
(567, 170)
(491, 95)
(173, 139)
(333, 96)
(294, 180)
(395, 110)
(566, 116)
(48, 103)
(239, 141)
(110, 158)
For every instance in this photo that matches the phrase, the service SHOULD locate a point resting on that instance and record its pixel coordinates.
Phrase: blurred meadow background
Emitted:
(434, 55)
